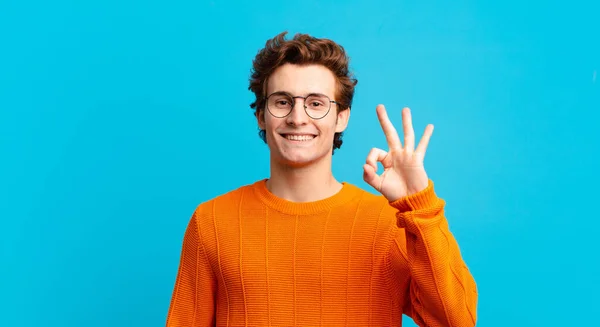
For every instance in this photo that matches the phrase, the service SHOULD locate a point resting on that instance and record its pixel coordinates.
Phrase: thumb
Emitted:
(371, 177)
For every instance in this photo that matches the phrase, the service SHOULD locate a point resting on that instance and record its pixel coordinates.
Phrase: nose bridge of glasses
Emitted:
(296, 113)
(299, 97)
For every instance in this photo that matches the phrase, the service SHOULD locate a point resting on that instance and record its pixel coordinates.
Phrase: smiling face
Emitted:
(297, 139)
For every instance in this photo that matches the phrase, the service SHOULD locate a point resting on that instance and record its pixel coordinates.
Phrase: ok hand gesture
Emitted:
(403, 170)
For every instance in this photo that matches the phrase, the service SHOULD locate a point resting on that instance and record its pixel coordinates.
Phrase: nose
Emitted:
(298, 115)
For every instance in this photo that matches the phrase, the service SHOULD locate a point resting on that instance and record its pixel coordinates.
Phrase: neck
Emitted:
(303, 184)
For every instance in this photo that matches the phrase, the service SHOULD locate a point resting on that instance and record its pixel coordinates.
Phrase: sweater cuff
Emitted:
(423, 199)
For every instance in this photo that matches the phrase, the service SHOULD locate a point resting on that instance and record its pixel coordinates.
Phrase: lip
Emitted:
(284, 136)
(298, 134)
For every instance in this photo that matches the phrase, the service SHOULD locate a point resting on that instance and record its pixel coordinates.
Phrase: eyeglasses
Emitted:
(317, 106)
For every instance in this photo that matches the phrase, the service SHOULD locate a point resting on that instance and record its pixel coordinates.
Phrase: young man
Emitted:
(303, 249)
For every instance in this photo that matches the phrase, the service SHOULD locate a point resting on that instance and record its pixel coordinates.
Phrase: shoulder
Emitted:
(373, 200)
(220, 210)
(230, 199)
(370, 197)
(377, 214)
(374, 206)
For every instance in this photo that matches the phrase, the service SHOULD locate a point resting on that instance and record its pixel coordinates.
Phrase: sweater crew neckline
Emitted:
(345, 195)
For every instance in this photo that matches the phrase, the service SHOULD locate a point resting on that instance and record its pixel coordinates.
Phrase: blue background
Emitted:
(118, 117)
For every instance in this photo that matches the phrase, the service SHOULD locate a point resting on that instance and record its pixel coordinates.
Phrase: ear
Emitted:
(342, 120)
(260, 118)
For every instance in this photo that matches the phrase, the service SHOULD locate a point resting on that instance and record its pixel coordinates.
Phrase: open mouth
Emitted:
(298, 137)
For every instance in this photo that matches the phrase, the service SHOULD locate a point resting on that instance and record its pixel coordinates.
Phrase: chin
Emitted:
(297, 159)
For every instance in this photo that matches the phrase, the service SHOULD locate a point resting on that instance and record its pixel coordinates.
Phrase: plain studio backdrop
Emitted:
(117, 118)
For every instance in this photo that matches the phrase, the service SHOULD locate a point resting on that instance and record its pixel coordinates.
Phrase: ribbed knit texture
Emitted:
(354, 259)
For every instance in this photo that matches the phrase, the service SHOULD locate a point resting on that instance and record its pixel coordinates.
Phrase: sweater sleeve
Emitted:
(442, 291)
(193, 298)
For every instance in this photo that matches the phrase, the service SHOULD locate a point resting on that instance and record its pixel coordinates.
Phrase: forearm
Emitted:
(443, 291)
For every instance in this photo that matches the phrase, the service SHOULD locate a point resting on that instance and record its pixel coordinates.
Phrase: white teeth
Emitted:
(299, 137)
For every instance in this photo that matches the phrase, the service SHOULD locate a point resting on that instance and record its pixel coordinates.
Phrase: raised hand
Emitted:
(403, 170)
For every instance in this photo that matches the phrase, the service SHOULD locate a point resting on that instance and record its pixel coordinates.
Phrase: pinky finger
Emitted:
(422, 148)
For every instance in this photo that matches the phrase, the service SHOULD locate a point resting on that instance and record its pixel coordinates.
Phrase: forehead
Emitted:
(302, 80)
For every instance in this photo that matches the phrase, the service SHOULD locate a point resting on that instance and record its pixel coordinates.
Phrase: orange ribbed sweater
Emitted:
(354, 259)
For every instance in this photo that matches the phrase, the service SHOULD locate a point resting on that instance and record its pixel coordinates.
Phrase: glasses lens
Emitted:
(317, 105)
(279, 104)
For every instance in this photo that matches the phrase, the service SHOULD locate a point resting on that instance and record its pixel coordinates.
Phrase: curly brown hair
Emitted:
(303, 49)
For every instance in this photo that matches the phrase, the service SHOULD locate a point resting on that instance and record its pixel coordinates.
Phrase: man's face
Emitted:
(297, 139)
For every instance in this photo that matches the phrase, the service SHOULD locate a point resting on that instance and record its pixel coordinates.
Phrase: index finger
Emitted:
(388, 128)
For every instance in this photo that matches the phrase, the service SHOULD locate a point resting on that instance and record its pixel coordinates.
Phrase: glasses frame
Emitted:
(303, 104)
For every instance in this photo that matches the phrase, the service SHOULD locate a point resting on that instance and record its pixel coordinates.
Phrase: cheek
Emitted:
(328, 127)
(268, 123)
(271, 126)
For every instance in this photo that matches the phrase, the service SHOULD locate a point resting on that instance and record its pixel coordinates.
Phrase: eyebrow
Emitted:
(305, 94)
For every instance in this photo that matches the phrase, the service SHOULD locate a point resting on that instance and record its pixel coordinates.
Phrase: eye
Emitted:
(317, 102)
(280, 101)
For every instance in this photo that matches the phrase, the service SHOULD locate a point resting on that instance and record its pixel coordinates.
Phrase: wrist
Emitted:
(425, 198)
